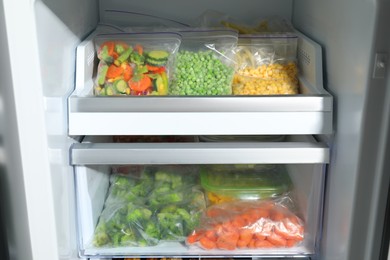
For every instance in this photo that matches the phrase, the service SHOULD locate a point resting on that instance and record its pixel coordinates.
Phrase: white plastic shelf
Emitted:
(310, 112)
(295, 150)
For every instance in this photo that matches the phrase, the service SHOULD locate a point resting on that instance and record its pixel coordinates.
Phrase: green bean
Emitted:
(201, 73)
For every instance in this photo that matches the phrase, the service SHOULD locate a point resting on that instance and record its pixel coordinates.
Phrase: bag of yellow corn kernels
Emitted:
(266, 65)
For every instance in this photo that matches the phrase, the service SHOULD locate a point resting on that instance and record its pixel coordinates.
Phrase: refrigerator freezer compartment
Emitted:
(93, 186)
(295, 149)
(309, 112)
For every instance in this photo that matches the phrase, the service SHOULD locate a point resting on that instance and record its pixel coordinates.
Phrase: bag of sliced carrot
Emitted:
(247, 225)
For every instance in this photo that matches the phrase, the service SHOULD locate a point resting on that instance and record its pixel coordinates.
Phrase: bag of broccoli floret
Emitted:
(150, 204)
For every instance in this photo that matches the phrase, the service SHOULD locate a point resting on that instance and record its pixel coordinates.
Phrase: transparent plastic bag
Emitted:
(263, 25)
(205, 63)
(247, 225)
(108, 28)
(266, 65)
(149, 204)
(130, 187)
(135, 63)
(130, 20)
(125, 224)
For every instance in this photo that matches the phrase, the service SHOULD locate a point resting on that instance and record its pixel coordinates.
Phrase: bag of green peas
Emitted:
(205, 63)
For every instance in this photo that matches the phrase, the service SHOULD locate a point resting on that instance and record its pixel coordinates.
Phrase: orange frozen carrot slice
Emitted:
(277, 240)
(263, 244)
(207, 243)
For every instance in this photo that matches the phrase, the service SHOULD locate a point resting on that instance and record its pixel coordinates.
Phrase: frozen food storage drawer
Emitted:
(94, 187)
(309, 112)
(296, 149)
(94, 182)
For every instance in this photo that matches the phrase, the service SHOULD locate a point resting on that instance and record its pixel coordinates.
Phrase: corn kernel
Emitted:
(272, 79)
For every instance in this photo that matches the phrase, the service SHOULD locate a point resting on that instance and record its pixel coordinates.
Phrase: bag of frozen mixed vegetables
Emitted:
(266, 65)
(158, 203)
(135, 63)
(205, 63)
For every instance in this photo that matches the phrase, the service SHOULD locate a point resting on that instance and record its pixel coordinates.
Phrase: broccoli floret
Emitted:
(184, 214)
(174, 180)
(138, 215)
(191, 221)
(152, 230)
(116, 221)
(128, 237)
(142, 243)
(127, 240)
(171, 225)
(105, 56)
(172, 198)
(169, 209)
(116, 238)
(101, 237)
(162, 189)
(119, 48)
(197, 200)
(162, 176)
(160, 200)
(142, 188)
(136, 58)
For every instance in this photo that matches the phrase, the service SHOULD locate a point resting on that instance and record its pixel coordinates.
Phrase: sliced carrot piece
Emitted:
(245, 234)
(229, 227)
(248, 218)
(114, 71)
(192, 238)
(225, 245)
(288, 233)
(259, 236)
(207, 243)
(291, 243)
(260, 213)
(155, 69)
(243, 243)
(239, 222)
(252, 244)
(277, 240)
(138, 48)
(277, 215)
(110, 47)
(227, 241)
(144, 83)
(218, 229)
(211, 234)
(127, 71)
(263, 244)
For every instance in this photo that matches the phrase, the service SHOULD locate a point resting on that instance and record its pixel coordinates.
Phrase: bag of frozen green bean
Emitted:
(205, 63)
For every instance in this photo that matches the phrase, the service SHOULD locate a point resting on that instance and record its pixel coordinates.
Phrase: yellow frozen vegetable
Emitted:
(270, 79)
(215, 198)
